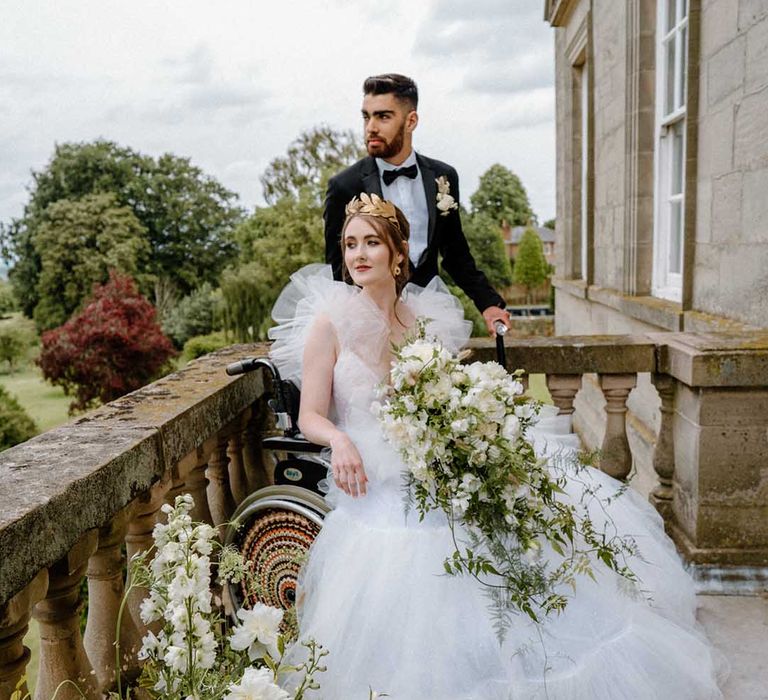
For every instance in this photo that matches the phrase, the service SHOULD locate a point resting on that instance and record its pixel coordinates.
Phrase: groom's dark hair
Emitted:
(402, 87)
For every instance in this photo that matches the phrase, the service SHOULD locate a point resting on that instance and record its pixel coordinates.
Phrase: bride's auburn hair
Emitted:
(394, 235)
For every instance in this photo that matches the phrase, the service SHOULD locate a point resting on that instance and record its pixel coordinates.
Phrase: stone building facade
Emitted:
(662, 167)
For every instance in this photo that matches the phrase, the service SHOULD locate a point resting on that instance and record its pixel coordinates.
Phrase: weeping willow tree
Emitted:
(275, 242)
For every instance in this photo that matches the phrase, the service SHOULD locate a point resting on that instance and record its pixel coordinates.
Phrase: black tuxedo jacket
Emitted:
(445, 233)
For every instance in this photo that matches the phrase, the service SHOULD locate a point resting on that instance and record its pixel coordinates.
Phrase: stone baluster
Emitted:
(664, 452)
(220, 499)
(238, 479)
(259, 471)
(144, 513)
(615, 455)
(563, 389)
(14, 623)
(62, 656)
(197, 481)
(105, 594)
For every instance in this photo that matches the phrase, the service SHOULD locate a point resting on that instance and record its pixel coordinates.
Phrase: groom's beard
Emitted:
(387, 149)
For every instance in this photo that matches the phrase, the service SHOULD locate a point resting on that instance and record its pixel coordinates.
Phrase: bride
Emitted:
(372, 592)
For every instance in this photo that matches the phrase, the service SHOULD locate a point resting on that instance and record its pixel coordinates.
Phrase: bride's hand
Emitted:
(347, 466)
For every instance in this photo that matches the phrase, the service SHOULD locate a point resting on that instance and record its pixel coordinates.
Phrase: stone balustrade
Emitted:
(74, 495)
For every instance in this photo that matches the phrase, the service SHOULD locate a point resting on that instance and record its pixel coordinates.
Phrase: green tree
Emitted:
(315, 156)
(279, 239)
(550, 224)
(196, 314)
(16, 337)
(275, 242)
(502, 197)
(484, 237)
(77, 244)
(7, 299)
(15, 424)
(188, 215)
(531, 268)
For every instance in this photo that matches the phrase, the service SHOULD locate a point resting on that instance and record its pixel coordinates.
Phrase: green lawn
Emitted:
(45, 403)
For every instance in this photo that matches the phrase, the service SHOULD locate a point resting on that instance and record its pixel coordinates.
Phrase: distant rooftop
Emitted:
(547, 235)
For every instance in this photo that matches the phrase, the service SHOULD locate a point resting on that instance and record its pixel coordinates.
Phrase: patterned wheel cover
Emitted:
(277, 542)
(274, 528)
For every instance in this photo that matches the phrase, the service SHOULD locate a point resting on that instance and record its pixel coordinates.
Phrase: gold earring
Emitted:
(397, 270)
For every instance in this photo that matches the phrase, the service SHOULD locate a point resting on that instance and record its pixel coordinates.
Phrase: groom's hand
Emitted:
(492, 315)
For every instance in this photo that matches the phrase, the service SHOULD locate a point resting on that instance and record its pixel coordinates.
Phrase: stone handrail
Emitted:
(72, 496)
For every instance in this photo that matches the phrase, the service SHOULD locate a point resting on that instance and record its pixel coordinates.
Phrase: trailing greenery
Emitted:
(8, 302)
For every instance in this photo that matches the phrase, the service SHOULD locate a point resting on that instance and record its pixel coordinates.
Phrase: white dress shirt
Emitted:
(408, 195)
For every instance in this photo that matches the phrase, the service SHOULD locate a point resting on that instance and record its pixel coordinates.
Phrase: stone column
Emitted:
(238, 478)
(62, 656)
(197, 481)
(563, 389)
(139, 538)
(260, 473)
(14, 623)
(615, 455)
(105, 594)
(664, 452)
(220, 499)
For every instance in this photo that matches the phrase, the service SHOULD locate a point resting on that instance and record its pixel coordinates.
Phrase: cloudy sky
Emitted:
(231, 83)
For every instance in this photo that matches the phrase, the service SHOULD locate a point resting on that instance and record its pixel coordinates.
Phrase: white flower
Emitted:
(256, 684)
(259, 631)
(511, 429)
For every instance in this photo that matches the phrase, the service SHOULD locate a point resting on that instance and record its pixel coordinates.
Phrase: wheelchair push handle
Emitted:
(243, 366)
(500, 329)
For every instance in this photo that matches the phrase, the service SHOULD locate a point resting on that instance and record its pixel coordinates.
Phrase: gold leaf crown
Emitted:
(372, 205)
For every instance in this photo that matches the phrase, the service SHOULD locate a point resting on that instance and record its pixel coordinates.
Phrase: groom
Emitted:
(426, 190)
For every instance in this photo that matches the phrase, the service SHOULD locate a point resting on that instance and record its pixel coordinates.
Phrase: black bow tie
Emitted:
(389, 176)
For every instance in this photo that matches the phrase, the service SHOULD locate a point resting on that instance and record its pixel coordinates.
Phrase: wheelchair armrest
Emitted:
(292, 444)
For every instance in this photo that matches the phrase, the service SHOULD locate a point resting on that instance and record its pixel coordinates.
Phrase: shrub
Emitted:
(111, 347)
(201, 345)
(15, 340)
(7, 299)
(196, 314)
(15, 424)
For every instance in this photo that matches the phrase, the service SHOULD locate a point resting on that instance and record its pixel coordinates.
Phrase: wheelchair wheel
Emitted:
(274, 528)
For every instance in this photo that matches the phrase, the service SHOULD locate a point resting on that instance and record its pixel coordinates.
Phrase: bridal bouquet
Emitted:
(461, 431)
(192, 652)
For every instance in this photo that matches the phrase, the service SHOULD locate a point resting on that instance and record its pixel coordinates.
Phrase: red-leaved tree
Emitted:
(113, 346)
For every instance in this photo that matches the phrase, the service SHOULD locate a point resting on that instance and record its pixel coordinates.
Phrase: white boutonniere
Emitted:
(445, 202)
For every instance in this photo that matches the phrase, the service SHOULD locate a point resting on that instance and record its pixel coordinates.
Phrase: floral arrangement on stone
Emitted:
(461, 431)
(194, 654)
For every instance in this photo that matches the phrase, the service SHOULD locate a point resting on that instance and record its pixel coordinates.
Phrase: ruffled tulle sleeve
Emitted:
(443, 310)
(312, 291)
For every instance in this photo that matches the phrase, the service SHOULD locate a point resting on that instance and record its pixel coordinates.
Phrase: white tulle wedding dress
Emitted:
(373, 592)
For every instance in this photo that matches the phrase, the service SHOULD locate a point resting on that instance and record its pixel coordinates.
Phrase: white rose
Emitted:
(511, 429)
(446, 202)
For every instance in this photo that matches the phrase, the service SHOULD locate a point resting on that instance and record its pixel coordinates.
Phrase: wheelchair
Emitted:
(275, 526)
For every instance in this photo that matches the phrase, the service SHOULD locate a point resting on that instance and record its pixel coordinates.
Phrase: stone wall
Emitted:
(730, 266)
